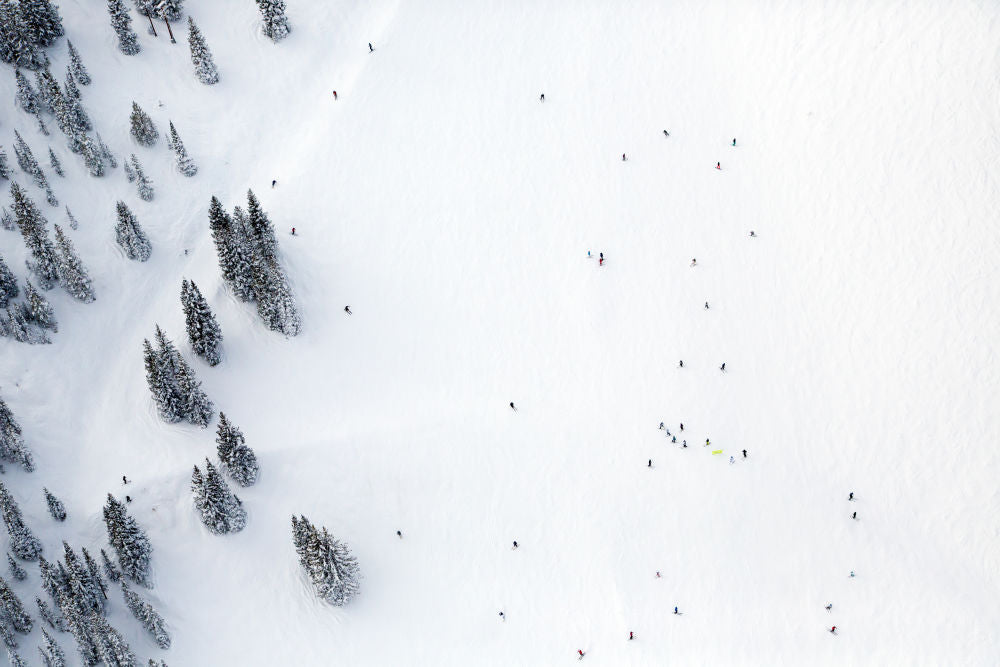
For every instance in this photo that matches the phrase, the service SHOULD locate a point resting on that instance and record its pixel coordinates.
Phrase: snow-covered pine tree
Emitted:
(185, 164)
(235, 455)
(46, 614)
(105, 152)
(221, 511)
(22, 541)
(112, 648)
(69, 85)
(111, 570)
(275, 25)
(16, 570)
(146, 7)
(52, 654)
(4, 169)
(14, 659)
(128, 41)
(141, 126)
(43, 20)
(26, 97)
(143, 184)
(17, 41)
(275, 302)
(55, 163)
(130, 235)
(73, 224)
(38, 309)
(72, 274)
(76, 66)
(93, 158)
(49, 96)
(26, 160)
(327, 561)
(262, 230)
(56, 507)
(95, 573)
(163, 391)
(203, 330)
(85, 590)
(171, 10)
(78, 625)
(8, 284)
(229, 247)
(51, 583)
(7, 220)
(12, 447)
(156, 663)
(129, 172)
(129, 542)
(196, 406)
(44, 263)
(15, 325)
(204, 65)
(147, 616)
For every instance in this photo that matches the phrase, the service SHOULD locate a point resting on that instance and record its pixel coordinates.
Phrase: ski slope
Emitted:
(453, 211)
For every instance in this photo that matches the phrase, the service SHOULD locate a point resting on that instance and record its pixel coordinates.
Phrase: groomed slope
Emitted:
(453, 211)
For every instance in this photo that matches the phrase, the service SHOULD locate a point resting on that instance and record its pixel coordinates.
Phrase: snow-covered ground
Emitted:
(453, 211)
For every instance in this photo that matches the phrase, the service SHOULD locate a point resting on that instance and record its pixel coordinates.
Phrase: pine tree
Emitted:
(46, 614)
(52, 654)
(185, 164)
(221, 511)
(122, 23)
(110, 569)
(275, 22)
(112, 648)
(56, 507)
(275, 303)
(72, 273)
(88, 592)
(16, 325)
(169, 9)
(16, 570)
(239, 459)
(228, 237)
(80, 119)
(8, 284)
(38, 309)
(147, 616)
(4, 168)
(18, 41)
(141, 126)
(76, 65)
(26, 97)
(73, 224)
(51, 583)
(146, 7)
(105, 152)
(26, 160)
(15, 659)
(95, 573)
(196, 406)
(7, 635)
(175, 389)
(72, 91)
(32, 226)
(12, 609)
(55, 163)
(144, 185)
(202, 328)
(22, 541)
(50, 96)
(93, 156)
(130, 235)
(156, 663)
(129, 542)
(262, 229)
(163, 391)
(79, 626)
(204, 65)
(129, 172)
(43, 20)
(7, 220)
(327, 561)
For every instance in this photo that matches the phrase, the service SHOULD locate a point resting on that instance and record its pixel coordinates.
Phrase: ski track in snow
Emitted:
(453, 211)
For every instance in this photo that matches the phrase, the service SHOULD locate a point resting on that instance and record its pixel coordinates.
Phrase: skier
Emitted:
(829, 607)
(657, 574)
(399, 534)
(734, 141)
(673, 439)
(542, 98)
(128, 499)
(682, 426)
(347, 309)
(580, 651)
(854, 516)
(707, 443)
(631, 636)
(661, 428)
(834, 629)
(850, 497)
(335, 95)
(650, 464)
(723, 367)
(588, 254)
(731, 460)
(124, 481)
(753, 233)
(852, 574)
(685, 444)
(512, 406)
(293, 231)
(718, 165)
(623, 157)
(600, 262)
(502, 617)
(694, 262)
(706, 305)
(371, 48)
(666, 134)
(675, 611)
(744, 453)
(273, 183)
(681, 365)
(515, 545)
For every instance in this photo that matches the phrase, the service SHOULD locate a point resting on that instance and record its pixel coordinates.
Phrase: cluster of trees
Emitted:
(275, 23)
(248, 257)
(327, 561)
(172, 382)
(238, 459)
(29, 165)
(12, 447)
(25, 322)
(23, 542)
(221, 510)
(129, 542)
(203, 330)
(130, 235)
(26, 27)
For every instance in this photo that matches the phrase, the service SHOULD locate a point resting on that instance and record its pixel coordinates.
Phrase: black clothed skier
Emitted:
(744, 453)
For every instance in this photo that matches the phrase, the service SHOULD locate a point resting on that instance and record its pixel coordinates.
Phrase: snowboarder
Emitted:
(588, 254)
(399, 534)
(600, 262)
(673, 439)
(502, 617)
(661, 428)
(623, 157)
(694, 262)
(731, 460)
(734, 141)
(723, 367)
(666, 134)
(128, 499)
(707, 443)
(347, 309)
(512, 406)
(273, 183)
(515, 545)
(650, 464)
(124, 480)
(854, 516)
(706, 305)
(685, 444)
(718, 165)
(744, 453)
(753, 233)
(829, 607)
(849, 497)
(675, 611)
(681, 365)
(542, 98)
(852, 574)
(834, 629)
(293, 231)
(370, 47)
(630, 636)
(335, 95)
(682, 426)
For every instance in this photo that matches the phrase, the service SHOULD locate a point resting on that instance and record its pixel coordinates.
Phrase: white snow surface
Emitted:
(453, 211)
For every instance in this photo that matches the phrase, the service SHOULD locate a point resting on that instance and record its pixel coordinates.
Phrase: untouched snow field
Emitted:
(453, 211)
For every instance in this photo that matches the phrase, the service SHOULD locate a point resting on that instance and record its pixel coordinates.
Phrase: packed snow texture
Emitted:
(454, 211)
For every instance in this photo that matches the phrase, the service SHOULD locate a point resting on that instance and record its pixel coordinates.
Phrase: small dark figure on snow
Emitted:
(834, 629)
(399, 534)
(650, 464)
(335, 95)
(673, 438)
(706, 305)
(661, 426)
(829, 607)
(370, 47)
(293, 231)
(707, 442)
(851, 496)
(723, 366)
(682, 426)
(502, 617)
(854, 516)
(542, 98)
(128, 499)
(347, 309)
(734, 141)
(515, 545)
(718, 165)
(744, 453)
(753, 233)
(623, 157)
(124, 480)
(694, 262)
(273, 183)
(681, 365)
(666, 134)
(512, 406)
(657, 574)
(631, 636)
(685, 444)
(580, 651)
(675, 610)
